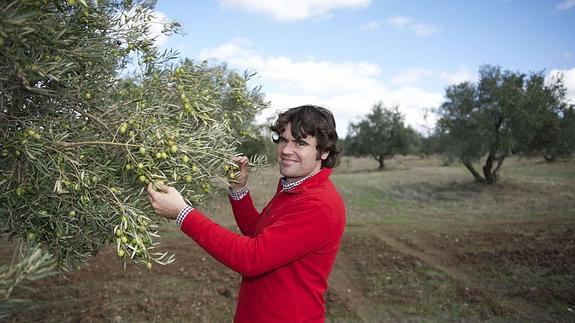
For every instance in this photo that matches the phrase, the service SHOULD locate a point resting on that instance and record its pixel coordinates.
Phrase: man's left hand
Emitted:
(166, 202)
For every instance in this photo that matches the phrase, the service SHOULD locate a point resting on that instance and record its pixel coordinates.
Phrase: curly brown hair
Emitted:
(312, 120)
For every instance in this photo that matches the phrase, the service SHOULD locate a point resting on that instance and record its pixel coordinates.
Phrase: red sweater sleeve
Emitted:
(246, 214)
(293, 235)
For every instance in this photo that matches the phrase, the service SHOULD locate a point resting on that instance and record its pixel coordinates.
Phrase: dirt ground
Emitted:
(383, 273)
(448, 251)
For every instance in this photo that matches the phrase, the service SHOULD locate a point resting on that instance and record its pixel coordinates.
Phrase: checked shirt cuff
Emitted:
(182, 215)
(239, 194)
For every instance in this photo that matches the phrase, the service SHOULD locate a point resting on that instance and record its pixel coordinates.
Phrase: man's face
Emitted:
(297, 158)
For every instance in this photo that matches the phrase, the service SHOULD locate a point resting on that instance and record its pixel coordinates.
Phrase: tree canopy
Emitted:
(380, 135)
(505, 112)
(91, 111)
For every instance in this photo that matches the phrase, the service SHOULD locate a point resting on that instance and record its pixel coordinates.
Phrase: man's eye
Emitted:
(301, 143)
(282, 140)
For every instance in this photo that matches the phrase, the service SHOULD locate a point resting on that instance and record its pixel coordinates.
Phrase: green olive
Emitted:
(185, 159)
(188, 178)
(142, 151)
(173, 149)
(72, 213)
(121, 253)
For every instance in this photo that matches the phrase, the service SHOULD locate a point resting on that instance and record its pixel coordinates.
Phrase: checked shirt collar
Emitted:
(288, 186)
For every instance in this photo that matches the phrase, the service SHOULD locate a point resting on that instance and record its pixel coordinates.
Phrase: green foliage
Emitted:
(259, 143)
(29, 264)
(82, 135)
(381, 135)
(548, 127)
(505, 112)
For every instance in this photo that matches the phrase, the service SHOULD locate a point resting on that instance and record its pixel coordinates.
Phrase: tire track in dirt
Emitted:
(342, 285)
(444, 263)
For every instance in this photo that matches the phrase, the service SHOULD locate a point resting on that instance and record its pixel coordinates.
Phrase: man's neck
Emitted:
(291, 183)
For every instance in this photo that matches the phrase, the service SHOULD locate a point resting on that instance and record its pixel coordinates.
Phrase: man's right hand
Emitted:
(242, 179)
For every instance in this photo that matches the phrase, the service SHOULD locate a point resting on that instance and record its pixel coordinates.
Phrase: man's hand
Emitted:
(242, 179)
(167, 202)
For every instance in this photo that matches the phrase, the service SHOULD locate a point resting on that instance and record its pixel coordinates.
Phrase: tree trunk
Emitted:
(381, 161)
(488, 172)
(499, 163)
(549, 158)
(490, 176)
(473, 172)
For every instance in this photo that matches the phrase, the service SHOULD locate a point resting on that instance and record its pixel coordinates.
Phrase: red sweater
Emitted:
(285, 254)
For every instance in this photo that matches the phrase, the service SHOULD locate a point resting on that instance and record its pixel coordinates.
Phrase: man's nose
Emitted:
(288, 148)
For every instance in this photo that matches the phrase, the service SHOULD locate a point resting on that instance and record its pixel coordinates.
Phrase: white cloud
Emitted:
(419, 28)
(305, 76)
(372, 25)
(423, 29)
(399, 21)
(568, 80)
(156, 26)
(412, 75)
(133, 20)
(292, 10)
(462, 74)
(235, 48)
(349, 89)
(566, 5)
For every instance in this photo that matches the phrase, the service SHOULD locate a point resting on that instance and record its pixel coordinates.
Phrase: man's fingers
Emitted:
(241, 160)
(164, 188)
(151, 191)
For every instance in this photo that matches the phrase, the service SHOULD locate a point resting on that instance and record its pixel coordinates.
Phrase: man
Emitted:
(287, 251)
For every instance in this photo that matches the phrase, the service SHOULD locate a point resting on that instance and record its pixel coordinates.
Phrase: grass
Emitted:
(423, 243)
(514, 237)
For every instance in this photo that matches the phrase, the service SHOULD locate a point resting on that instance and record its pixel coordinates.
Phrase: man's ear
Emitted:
(324, 155)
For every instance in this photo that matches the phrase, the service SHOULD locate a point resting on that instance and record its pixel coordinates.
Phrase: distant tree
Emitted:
(381, 135)
(548, 126)
(430, 144)
(259, 142)
(499, 115)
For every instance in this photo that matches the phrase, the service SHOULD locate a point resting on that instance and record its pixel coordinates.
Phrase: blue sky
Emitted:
(349, 54)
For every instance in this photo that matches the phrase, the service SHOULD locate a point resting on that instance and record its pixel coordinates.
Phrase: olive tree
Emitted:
(547, 127)
(380, 135)
(504, 113)
(91, 111)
